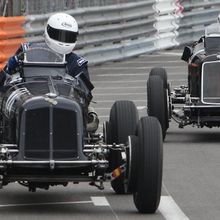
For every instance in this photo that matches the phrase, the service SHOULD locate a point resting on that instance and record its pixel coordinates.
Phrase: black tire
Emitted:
(150, 164)
(123, 120)
(158, 71)
(157, 102)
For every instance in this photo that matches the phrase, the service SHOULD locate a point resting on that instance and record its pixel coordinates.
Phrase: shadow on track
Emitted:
(199, 136)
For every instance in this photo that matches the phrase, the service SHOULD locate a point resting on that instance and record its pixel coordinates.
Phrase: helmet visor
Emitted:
(62, 35)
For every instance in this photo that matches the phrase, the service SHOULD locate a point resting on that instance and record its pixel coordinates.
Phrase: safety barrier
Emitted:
(115, 32)
(106, 33)
(196, 16)
(11, 36)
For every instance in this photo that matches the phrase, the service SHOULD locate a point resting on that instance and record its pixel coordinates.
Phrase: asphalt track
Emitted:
(191, 174)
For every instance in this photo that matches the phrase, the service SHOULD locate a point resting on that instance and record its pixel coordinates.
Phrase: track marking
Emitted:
(131, 81)
(133, 67)
(119, 87)
(141, 107)
(154, 62)
(122, 74)
(103, 116)
(113, 100)
(45, 203)
(95, 200)
(99, 201)
(117, 81)
(108, 108)
(159, 54)
(170, 210)
(171, 53)
(129, 74)
(118, 93)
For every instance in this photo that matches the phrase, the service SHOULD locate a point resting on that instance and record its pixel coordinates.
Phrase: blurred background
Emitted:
(25, 7)
(109, 30)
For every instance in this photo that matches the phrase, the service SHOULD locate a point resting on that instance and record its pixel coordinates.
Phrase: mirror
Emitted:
(187, 52)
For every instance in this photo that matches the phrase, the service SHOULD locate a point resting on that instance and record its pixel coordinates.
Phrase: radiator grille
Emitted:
(50, 136)
(37, 131)
(211, 82)
(65, 134)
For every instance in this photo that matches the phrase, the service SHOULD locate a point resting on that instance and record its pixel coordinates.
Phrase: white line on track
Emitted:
(151, 55)
(132, 68)
(122, 74)
(95, 200)
(154, 62)
(118, 93)
(117, 81)
(171, 53)
(103, 116)
(100, 201)
(120, 87)
(159, 54)
(106, 108)
(45, 203)
(131, 81)
(170, 210)
(129, 74)
(104, 101)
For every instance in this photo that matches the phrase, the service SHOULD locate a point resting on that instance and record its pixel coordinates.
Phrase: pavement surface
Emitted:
(191, 174)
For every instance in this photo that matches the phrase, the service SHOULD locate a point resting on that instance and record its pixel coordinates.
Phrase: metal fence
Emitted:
(106, 32)
(120, 28)
(30, 7)
(196, 15)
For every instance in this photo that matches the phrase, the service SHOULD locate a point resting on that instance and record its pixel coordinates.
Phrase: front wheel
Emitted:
(123, 122)
(149, 156)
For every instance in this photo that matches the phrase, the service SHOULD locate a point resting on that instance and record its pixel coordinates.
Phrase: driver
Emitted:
(60, 35)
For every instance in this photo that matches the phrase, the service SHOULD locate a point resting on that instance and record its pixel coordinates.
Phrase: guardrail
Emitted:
(115, 32)
(107, 32)
(11, 36)
(195, 17)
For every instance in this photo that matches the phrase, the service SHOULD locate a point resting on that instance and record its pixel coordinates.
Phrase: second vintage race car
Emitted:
(198, 102)
(48, 135)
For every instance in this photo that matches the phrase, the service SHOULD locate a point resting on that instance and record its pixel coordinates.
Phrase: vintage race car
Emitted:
(48, 135)
(197, 103)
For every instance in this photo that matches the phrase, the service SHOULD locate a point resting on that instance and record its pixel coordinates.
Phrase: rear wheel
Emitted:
(157, 101)
(162, 73)
(123, 121)
(150, 163)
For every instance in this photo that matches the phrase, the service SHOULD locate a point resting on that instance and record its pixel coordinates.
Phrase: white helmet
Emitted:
(61, 33)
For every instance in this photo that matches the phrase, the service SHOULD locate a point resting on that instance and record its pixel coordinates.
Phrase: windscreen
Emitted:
(43, 55)
(41, 71)
(212, 45)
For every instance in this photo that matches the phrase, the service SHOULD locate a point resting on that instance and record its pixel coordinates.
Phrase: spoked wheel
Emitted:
(149, 156)
(157, 101)
(123, 122)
